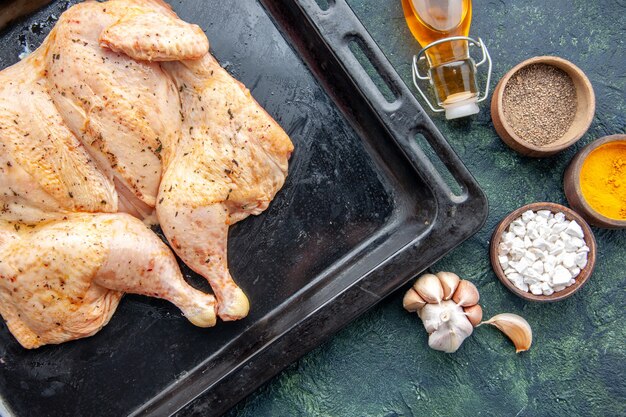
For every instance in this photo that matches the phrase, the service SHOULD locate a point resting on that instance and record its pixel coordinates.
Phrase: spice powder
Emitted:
(603, 180)
(539, 103)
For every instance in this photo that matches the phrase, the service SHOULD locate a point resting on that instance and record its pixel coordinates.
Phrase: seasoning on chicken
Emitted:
(123, 110)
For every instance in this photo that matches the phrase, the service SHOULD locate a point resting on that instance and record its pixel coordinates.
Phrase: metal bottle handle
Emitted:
(471, 41)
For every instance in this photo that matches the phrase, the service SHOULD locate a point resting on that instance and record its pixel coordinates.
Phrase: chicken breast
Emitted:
(121, 109)
(44, 169)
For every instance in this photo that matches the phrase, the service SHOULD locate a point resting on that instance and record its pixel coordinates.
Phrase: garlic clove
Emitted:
(449, 282)
(474, 314)
(515, 328)
(429, 288)
(412, 301)
(466, 294)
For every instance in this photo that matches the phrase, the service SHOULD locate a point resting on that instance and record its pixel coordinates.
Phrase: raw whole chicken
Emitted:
(123, 115)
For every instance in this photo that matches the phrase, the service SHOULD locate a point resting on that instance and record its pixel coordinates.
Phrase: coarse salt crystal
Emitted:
(559, 258)
(517, 222)
(559, 227)
(569, 260)
(561, 275)
(508, 237)
(574, 229)
(503, 248)
(572, 244)
(527, 242)
(544, 213)
(536, 289)
(514, 276)
(528, 215)
(565, 237)
(543, 230)
(521, 265)
(519, 230)
(530, 256)
(541, 255)
(541, 244)
(534, 234)
(517, 253)
(504, 261)
(557, 248)
(517, 243)
(531, 276)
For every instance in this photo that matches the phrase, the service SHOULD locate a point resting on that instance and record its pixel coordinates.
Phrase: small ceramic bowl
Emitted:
(585, 109)
(573, 192)
(570, 214)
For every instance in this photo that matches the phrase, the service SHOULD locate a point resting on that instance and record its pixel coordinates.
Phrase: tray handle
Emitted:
(402, 115)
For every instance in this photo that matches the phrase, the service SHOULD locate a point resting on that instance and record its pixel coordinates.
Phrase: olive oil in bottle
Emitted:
(452, 71)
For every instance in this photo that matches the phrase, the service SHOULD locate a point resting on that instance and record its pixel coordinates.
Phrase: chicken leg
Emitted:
(63, 280)
(230, 162)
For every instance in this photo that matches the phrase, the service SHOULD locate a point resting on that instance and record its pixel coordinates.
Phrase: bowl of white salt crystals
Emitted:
(543, 252)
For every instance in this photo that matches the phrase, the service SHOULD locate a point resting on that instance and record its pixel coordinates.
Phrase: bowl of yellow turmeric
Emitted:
(595, 182)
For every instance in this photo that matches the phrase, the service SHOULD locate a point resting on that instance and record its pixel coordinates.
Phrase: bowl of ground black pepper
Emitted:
(542, 106)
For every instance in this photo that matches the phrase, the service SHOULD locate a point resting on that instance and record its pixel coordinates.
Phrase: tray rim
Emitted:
(403, 252)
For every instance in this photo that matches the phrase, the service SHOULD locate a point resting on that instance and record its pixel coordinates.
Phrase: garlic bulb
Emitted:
(447, 306)
(447, 325)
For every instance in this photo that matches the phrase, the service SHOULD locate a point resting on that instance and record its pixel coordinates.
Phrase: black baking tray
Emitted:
(365, 208)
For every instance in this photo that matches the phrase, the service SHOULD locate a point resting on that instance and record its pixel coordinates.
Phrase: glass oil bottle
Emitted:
(442, 28)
